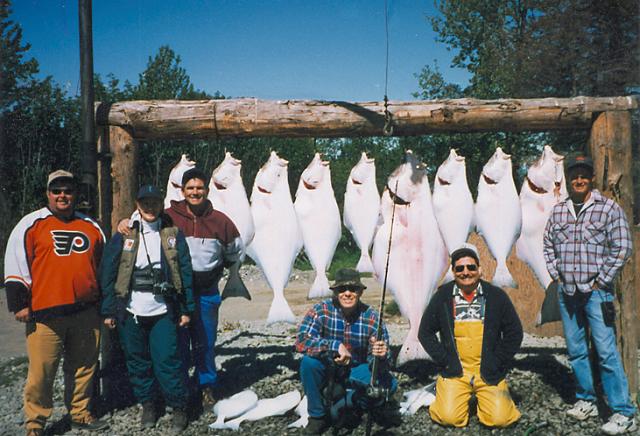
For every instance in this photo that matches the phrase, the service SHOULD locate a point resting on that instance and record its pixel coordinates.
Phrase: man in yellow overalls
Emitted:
(480, 332)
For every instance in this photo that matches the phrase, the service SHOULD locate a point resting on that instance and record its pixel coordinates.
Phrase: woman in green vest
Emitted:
(146, 280)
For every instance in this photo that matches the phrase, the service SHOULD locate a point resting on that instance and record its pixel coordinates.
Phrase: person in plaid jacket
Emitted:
(586, 242)
(343, 329)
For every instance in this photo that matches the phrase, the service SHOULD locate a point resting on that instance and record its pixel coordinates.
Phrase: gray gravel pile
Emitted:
(254, 355)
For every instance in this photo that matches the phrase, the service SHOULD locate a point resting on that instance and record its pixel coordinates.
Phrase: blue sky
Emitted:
(271, 49)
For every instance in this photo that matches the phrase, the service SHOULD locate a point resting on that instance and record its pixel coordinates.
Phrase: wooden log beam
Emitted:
(173, 119)
(610, 145)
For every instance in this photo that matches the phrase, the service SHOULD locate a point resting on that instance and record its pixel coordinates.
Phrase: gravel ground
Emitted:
(252, 354)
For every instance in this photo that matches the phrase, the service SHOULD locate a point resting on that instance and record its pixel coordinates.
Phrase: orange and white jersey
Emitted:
(53, 261)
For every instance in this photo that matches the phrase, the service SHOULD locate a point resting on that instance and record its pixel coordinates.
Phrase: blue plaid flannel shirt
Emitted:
(324, 327)
(588, 249)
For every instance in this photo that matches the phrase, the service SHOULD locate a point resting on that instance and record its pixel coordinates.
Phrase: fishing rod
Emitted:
(374, 391)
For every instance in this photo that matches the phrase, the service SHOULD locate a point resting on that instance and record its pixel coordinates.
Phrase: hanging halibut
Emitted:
(418, 256)
(452, 203)
(361, 208)
(227, 195)
(543, 187)
(498, 217)
(319, 221)
(174, 185)
(277, 240)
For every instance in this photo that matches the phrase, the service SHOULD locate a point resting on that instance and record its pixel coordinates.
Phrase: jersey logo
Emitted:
(65, 242)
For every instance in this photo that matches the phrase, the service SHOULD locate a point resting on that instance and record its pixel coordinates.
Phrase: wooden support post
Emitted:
(105, 191)
(610, 145)
(124, 165)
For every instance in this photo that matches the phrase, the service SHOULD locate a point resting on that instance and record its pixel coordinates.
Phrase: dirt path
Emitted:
(232, 310)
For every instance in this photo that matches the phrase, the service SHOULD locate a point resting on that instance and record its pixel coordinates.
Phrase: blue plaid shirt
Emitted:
(324, 328)
(587, 250)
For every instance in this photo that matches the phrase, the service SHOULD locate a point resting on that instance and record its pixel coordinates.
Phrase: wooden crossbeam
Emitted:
(200, 119)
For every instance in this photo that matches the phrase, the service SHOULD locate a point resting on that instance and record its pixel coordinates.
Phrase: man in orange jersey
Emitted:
(51, 266)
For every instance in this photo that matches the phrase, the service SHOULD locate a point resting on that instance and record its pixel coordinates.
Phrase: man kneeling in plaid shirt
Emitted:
(343, 330)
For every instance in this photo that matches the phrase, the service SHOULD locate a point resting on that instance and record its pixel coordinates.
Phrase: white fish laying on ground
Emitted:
(227, 194)
(361, 208)
(233, 406)
(452, 203)
(319, 221)
(498, 217)
(543, 187)
(174, 185)
(417, 398)
(277, 240)
(303, 413)
(418, 256)
(265, 408)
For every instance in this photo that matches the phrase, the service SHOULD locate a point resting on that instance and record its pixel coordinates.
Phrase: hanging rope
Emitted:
(388, 117)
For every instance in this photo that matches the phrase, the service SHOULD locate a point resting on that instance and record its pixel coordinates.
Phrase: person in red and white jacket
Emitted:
(51, 267)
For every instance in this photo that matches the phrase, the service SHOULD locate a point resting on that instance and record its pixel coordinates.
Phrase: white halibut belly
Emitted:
(453, 209)
(234, 204)
(417, 260)
(275, 245)
(361, 208)
(536, 209)
(319, 221)
(499, 219)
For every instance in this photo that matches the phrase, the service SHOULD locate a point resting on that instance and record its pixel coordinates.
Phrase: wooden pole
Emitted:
(610, 145)
(105, 191)
(124, 165)
(173, 119)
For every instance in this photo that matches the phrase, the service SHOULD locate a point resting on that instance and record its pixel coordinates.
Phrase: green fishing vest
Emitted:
(168, 240)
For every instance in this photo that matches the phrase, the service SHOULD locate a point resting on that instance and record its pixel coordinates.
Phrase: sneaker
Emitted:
(90, 423)
(149, 416)
(583, 410)
(179, 422)
(619, 424)
(316, 425)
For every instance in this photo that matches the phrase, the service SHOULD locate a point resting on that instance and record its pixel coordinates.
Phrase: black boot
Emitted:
(149, 415)
(180, 421)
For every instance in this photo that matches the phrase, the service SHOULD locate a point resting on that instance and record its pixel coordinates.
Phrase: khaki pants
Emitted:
(75, 337)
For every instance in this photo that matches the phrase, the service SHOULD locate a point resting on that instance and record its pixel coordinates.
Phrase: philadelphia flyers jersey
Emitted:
(53, 261)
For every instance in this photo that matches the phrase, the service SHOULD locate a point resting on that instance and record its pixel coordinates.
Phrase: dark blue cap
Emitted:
(149, 191)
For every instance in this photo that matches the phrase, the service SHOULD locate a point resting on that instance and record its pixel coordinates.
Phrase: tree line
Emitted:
(512, 48)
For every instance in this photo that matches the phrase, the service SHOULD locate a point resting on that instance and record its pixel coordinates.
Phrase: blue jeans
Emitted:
(198, 341)
(577, 312)
(313, 372)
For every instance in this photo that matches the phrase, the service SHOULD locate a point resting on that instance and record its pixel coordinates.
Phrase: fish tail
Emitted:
(219, 424)
(411, 350)
(364, 264)
(235, 287)
(320, 286)
(280, 311)
(502, 277)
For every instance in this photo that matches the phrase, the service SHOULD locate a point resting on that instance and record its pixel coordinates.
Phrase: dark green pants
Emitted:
(151, 350)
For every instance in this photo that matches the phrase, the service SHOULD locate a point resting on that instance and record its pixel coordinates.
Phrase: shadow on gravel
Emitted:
(552, 373)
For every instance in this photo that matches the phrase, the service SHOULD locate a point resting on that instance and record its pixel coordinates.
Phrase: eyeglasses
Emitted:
(66, 191)
(343, 290)
(471, 267)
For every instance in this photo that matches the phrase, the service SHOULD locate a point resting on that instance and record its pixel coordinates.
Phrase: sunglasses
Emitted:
(343, 290)
(470, 267)
(66, 191)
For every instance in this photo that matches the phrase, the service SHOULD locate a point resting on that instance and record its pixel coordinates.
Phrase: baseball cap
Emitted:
(60, 174)
(577, 160)
(149, 191)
